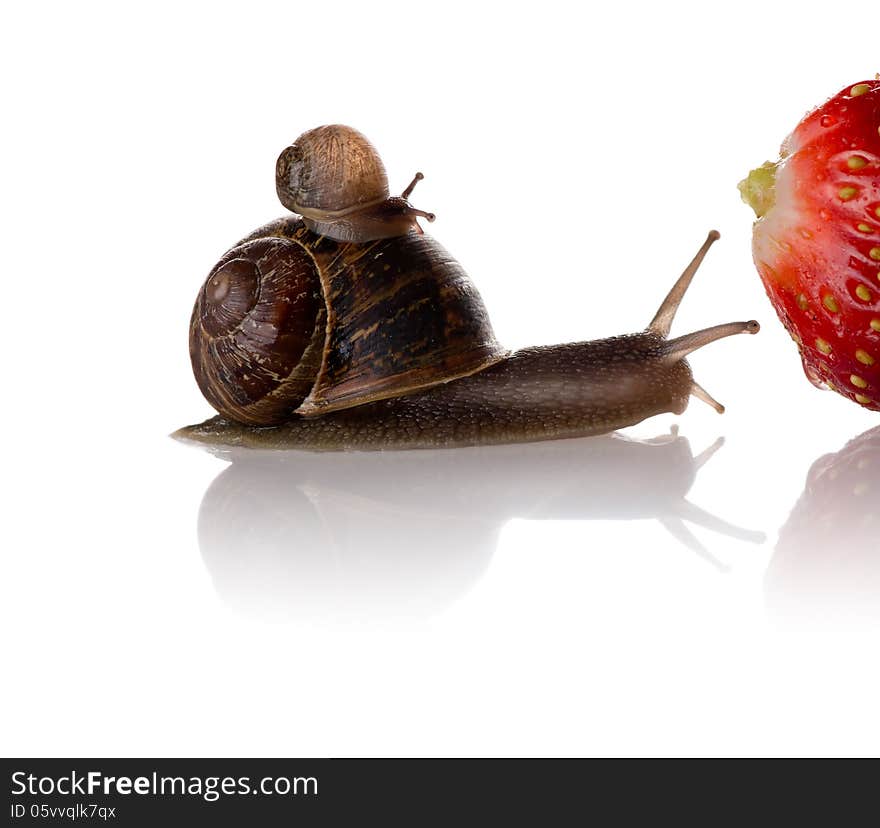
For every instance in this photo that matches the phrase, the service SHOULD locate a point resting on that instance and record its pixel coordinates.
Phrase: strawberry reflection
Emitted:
(827, 561)
(361, 535)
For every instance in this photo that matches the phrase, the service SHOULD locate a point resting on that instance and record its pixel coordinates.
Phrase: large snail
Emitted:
(346, 327)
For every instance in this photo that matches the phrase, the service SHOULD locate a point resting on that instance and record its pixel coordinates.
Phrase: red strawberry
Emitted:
(816, 242)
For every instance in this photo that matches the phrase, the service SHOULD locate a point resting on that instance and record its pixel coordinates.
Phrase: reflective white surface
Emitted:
(653, 592)
(385, 535)
(602, 595)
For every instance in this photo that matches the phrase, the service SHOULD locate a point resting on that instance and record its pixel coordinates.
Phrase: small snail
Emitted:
(346, 327)
(334, 178)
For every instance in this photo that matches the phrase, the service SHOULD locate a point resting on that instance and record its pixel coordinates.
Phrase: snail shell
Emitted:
(330, 171)
(333, 177)
(291, 322)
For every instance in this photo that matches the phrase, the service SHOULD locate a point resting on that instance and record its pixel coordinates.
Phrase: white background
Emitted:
(526, 601)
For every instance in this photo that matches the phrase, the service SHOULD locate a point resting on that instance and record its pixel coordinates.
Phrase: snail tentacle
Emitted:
(662, 321)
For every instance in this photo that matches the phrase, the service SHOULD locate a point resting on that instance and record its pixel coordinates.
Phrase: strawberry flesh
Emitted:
(816, 243)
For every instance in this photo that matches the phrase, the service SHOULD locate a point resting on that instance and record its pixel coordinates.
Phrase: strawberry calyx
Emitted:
(758, 188)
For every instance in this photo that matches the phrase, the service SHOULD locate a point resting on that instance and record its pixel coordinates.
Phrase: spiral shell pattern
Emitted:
(257, 331)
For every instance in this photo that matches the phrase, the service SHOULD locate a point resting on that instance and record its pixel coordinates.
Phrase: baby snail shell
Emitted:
(345, 327)
(334, 178)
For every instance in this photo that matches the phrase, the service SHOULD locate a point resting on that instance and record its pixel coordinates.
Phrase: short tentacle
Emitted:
(702, 394)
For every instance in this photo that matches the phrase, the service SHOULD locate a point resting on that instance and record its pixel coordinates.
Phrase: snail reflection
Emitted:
(827, 561)
(371, 535)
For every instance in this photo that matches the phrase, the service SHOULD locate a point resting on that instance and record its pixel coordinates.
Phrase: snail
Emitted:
(333, 177)
(344, 326)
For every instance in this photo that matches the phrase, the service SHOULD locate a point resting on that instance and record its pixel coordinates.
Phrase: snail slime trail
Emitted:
(344, 326)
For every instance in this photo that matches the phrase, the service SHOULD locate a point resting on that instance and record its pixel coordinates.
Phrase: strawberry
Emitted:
(816, 242)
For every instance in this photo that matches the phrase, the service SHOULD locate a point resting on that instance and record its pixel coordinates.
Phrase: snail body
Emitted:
(304, 338)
